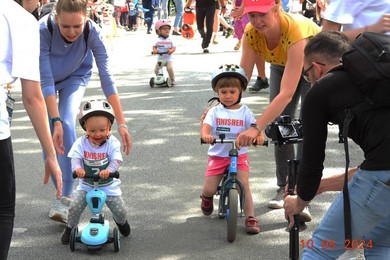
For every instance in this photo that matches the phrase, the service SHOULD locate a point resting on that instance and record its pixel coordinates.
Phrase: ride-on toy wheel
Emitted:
(117, 241)
(73, 237)
(151, 82)
(168, 82)
(232, 214)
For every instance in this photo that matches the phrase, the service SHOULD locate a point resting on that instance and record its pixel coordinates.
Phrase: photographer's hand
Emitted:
(293, 205)
(246, 138)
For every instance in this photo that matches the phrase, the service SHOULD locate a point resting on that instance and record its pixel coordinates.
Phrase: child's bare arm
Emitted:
(80, 172)
(154, 50)
(77, 167)
(172, 50)
(260, 138)
(205, 133)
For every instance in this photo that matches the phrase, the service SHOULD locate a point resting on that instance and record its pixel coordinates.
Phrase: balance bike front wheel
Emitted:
(232, 215)
(73, 238)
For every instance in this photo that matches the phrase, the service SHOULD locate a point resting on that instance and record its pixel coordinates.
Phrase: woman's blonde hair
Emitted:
(72, 6)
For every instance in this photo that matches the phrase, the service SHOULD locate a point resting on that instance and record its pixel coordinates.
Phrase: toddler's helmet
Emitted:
(229, 70)
(95, 108)
(161, 23)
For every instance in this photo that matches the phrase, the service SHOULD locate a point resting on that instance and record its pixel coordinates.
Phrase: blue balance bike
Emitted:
(227, 190)
(97, 232)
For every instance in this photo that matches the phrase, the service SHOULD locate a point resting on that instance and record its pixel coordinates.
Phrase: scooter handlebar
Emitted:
(160, 53)
(93, 176)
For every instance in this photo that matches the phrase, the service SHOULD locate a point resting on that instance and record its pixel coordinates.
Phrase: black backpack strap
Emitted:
(347, 205)
(49, 25)
(86, 32)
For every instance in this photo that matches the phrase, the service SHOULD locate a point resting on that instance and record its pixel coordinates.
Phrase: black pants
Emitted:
(7, 196)
(132, 21)
(205, 14)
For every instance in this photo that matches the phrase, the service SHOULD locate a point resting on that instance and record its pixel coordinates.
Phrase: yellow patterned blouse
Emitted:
(293, 29)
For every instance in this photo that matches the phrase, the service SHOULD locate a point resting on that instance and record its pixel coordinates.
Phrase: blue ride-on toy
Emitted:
(97, 232)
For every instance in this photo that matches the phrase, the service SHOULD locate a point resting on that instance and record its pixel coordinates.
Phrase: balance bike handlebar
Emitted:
(231, 141)
(94, 176)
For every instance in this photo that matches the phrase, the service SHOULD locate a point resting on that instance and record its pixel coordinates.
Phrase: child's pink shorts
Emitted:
(216, 165)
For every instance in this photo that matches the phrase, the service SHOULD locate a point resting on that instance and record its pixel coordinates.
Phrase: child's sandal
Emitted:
(207, 205)
(252, 225)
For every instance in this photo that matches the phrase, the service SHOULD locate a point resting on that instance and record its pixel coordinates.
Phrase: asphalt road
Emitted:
(163, 176)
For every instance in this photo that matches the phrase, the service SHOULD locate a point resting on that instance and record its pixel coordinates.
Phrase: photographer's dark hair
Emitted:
(327, 47)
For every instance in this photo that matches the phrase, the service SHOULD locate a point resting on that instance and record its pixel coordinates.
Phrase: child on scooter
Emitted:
(98, 148)
(229, 117)
(164, 45)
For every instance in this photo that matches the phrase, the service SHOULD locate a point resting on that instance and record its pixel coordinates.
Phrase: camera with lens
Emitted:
(285, 131)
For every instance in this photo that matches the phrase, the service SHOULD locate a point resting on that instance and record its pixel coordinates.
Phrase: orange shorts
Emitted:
(217, 165)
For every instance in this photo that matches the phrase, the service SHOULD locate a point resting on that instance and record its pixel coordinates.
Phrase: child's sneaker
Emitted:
(305, 215)
(65, 238)
(205, 50)
(252, 225)
(207, 205)
(124, 228)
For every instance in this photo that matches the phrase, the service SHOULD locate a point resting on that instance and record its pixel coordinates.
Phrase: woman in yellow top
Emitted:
(278, 38)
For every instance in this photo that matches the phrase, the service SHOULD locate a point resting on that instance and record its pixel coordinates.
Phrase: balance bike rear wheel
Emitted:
(73, 237)
(117, 241)
(232, 215)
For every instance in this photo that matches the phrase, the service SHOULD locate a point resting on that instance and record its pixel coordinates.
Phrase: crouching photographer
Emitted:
(333, 91)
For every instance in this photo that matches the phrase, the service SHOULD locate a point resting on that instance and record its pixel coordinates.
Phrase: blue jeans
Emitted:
(162, 12)
(179, 13)
(148, 16)
(70, 95)
(370, 209)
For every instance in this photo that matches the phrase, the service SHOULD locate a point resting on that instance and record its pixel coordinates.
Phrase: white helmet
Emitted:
(229, 70)
(95, 108)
